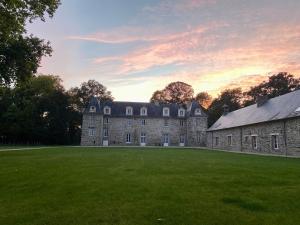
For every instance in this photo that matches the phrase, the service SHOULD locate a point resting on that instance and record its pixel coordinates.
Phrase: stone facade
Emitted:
(281, 137)
(154, 129)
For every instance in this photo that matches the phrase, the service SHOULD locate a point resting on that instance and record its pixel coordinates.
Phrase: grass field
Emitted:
(62, 186)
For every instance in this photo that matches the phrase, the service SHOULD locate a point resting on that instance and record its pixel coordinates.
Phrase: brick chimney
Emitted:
(261, 100)
(225, 109)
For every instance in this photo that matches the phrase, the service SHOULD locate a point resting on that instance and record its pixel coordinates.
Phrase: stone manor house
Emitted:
(271, 126)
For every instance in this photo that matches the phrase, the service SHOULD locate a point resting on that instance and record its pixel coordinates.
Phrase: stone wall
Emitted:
(288, 132)
(91, 121)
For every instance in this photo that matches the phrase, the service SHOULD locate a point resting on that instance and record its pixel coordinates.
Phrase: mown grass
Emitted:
(147, 186)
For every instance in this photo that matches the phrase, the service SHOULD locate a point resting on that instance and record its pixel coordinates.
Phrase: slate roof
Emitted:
(282, 107)
(118, 109)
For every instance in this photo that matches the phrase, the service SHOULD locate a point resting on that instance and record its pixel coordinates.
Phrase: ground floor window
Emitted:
(254, 141)
(128, 138)
(166, 138)
(229, 140)
(216, 141)
(275, 144)
(92, 131)
(143, 137)
(182, 139)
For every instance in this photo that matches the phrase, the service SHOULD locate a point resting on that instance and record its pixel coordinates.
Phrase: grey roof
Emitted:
(282, 107)
(118, 109)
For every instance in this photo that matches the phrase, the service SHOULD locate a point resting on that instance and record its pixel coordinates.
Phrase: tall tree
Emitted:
(204, 99)
(230, 97)
(81, 95)
(175, 92)
(20, 55)
(277, 84)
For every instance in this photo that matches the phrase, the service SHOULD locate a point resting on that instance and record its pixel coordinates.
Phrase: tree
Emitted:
(175, 92)
(20, 55)
(277, 84)
(82, 95)
(230, 97)
(204, 99)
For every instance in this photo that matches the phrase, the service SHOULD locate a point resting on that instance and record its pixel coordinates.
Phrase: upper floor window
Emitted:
(129, 122)
(143, 122)
(166, 111)
(106, 120)
(181, 112)
(198, 112)
(107, 110)
(198, 121)
(181, 122)
(166, 122)
(129, 111)
(143, 111)
(92, 131)
(92, 109)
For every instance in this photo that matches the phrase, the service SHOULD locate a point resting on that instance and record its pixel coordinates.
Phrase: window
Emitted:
(143, 122)
(182, 139)
(181, 112)
(166, 122)
(198, 122)
(129, 111)
(246, 138)
(254, 141)
(91, 120)
(92, 109)
(143, 111)
(181, 122)
(198, 136)
(107, 110)
(166, 111)
(143, 137)
(216, 141)
(92, 131)
(129, 122)
(198, 112)
(166, 138)
(106, 120)
(275, 144)
(105, 132)
(229, 140)
(128, 138)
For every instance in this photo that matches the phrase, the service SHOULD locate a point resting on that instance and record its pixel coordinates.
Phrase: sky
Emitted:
(135, 47)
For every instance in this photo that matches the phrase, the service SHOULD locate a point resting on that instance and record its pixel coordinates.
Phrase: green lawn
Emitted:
(62, 186)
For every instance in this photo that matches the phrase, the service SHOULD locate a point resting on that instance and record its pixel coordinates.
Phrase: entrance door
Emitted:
(166, 139)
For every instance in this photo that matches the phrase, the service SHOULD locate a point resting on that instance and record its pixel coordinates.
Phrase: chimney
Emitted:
(156, 102)
(261, 100)
(225, 109)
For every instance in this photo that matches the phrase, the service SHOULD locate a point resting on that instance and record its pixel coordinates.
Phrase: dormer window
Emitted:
(143, 111)
(106, 110)
(166, 111)
(129, 111)
(198, 112)
(181, 112)
(92, 109)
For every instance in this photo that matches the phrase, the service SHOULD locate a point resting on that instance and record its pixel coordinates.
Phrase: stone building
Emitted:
(270, 126)
(152, 124)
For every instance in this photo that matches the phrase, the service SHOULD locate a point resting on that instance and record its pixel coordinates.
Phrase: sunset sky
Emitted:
(135, 47)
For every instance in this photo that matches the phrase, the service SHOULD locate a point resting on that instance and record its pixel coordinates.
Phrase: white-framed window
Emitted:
(107, 110)
(92, 109)
(166, 122)
(275, 141)
(229, 140)
(92, 131)
(181, 123)
(129, 122)
(198, 136)
(182, 139)
(91, 120)
(198, 112)
(254, 141)
(166, 138)
(129, 111)
(166, 111)
(143, 122)
(106, 120)
(143, 137)
(216, 141)
(128, 138)
(143, 111)
(105, 132)
(181, 112)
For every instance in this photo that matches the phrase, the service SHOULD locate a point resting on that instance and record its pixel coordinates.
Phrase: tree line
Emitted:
(37, 109)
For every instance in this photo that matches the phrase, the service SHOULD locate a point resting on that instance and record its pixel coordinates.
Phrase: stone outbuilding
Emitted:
(271, 126)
